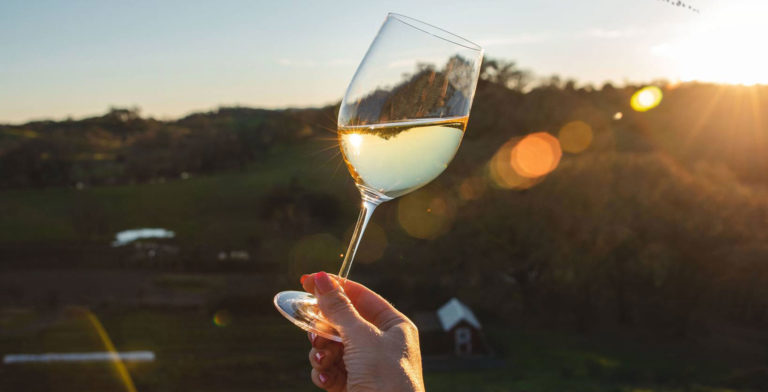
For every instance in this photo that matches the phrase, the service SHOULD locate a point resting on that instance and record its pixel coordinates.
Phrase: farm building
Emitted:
(451, 330)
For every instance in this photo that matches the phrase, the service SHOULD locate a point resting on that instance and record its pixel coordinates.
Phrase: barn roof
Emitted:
(453, 312)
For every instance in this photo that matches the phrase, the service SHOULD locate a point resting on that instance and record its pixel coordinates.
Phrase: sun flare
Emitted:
(646, 98)
(725, 46)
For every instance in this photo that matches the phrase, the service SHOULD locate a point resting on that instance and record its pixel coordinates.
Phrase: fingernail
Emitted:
(312, 337)
(323, 282)
(319, 356)
(303, 278)
(323, 378)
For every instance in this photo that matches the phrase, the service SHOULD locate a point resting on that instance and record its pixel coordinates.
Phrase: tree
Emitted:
(505, 73)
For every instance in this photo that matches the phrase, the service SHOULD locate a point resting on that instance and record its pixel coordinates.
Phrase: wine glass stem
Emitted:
(366, 210)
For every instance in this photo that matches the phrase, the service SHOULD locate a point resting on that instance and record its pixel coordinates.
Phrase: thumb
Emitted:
(334, 303)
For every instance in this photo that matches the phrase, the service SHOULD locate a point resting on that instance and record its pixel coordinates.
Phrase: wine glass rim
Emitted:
(436, 31)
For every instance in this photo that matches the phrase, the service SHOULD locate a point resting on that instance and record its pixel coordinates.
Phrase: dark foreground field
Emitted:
(262, 352)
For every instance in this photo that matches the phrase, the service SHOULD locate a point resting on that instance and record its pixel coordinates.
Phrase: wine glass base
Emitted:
(301, 309)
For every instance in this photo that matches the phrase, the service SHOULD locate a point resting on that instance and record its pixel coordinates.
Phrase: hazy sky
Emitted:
(78, 58)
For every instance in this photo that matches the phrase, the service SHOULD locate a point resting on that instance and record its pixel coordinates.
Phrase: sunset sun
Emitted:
(725, 46)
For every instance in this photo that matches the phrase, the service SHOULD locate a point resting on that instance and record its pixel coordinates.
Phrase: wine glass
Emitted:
(400, 124)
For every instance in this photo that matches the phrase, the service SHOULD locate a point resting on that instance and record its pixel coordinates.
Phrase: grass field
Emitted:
(204, 208)
(265, 353)
(193, 354)
(258, 350)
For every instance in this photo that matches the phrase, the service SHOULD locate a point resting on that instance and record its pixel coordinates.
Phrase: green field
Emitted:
(265, 353)
(193, 354)
(199, 209)
(258, 350)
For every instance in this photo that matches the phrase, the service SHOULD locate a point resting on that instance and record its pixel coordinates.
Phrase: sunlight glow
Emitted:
(575, 136)
(425, 214)
(355, 141)
(315, 250)
(725, 46)
(372, 249)
(646, 98)
(536, 155)
(472, 188)
(501, 172)
(522, 163)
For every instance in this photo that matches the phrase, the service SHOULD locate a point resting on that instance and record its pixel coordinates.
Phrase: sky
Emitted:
(62, 59)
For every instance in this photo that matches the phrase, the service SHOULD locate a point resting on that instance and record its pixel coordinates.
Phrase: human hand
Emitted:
(380, 348)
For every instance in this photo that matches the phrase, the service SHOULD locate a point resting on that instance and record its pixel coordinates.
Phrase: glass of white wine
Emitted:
(400, 124)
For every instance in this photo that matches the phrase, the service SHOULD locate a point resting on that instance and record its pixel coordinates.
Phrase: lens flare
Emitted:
(536, 155)
(372, 246)
(618, 115)
(521, 163)
(501, 172)
(646, 98)
(426, 214)
(122, 371)
(222, 318)
(472, 188)
(355, 140)
(315, 252)
(575, 136)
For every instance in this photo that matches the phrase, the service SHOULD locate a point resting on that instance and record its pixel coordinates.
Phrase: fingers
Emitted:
(377, 310)
(324, 352)
(325, 359)
(335, 304)
(319, 341)
(328, 370)
(334, 380)
(369, 305)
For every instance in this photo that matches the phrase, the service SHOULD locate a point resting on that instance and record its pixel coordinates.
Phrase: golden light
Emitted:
(673, 85)
(222, 318)
(122, 371)
(425, 214)
(372, 246)
(355, 141)
(499, 169)
(618, 115)
(472, 188)
(501, 172)
(575, 136)
(646, 98)
(536, 155)
(315, 252)
(722, 45)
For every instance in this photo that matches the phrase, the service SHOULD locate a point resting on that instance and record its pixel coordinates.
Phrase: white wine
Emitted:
(396, 158)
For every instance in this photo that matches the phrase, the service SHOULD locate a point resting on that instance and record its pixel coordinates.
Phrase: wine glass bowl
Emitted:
(390, 160)
(400, 123)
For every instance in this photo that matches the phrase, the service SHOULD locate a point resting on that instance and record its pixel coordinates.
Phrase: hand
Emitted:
(380, 349)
